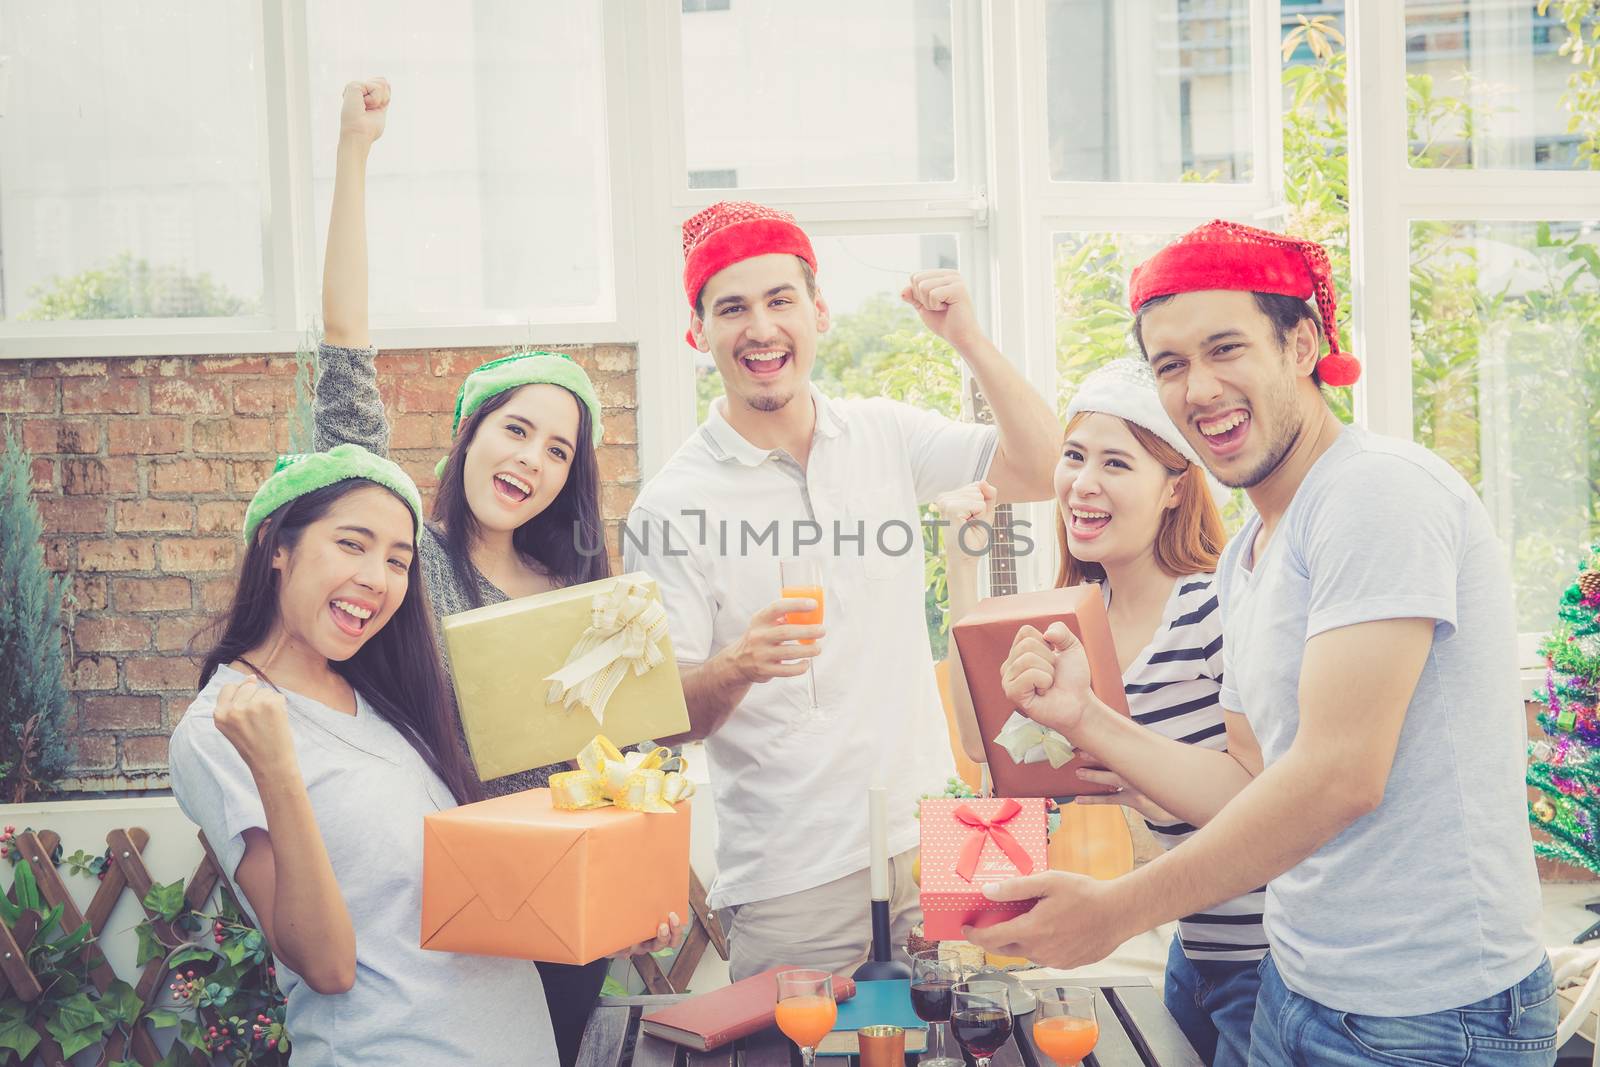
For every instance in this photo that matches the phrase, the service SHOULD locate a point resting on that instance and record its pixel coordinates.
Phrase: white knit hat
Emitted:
(1126, 388)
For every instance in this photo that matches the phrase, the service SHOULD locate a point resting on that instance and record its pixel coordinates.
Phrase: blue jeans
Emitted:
(1214, 1002)
(1514, 1028)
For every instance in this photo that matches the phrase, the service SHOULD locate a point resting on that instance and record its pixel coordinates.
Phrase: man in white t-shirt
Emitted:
(780, 471)
(1369, 657)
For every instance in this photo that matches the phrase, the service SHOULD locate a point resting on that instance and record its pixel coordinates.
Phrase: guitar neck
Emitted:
(1002, 548)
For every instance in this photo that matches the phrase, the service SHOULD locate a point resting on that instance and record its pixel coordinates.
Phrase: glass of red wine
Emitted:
(934, 973)
(980, 1015)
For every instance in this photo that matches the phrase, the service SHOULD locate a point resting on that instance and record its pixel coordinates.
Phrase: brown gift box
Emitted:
(984, 639)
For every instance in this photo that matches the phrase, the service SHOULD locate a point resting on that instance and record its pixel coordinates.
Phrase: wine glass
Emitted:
(934, 973)
(802, 579)
(806, 1009)
(980, 1015)
(1064, 1023)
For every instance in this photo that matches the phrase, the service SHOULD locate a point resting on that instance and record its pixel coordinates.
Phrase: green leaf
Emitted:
(177, 1056)
(77, 1012)
(9, 911)
(17, 1035)
(150, 946)
(48, 926)
(197, 954)
(74, 941)
(27, 888)
(190, 1034)
(165, 900)
(120, 1003)
(161, 1018)
(76, 1024)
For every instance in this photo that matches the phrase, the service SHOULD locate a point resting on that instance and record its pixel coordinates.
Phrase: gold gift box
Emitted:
(502, 658)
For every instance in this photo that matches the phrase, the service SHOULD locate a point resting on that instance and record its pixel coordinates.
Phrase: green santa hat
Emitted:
(296, 475)
(515, 371)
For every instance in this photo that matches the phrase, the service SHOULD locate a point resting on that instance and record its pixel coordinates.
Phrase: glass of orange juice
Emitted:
(802, 579)
(806, 1009)
(1064, 1023)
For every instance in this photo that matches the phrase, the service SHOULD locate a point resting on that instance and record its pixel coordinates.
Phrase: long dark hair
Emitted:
(397, 670)
(567, 538)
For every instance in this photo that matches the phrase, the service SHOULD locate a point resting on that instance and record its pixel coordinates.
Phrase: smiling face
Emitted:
(1239, 395)
(347, 574)
(761, 325)
(520, 456)
(1111, 491)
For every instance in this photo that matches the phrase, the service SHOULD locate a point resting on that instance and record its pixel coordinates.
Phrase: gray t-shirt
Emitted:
(1431, 901)
(369, 791)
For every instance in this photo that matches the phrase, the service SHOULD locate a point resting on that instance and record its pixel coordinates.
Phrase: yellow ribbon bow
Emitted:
(626, 628)
(650, 779)
(1028, 742)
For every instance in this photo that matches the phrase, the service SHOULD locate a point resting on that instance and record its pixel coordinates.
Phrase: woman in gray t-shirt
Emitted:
(318, 741)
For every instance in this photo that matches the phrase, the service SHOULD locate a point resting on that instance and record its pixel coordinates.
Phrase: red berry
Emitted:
(272, 1042)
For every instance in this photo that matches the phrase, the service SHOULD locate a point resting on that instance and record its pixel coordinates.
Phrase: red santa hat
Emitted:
(1229, 255)
(733, 230)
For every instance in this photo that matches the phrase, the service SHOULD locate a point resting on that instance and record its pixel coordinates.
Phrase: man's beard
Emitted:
(1286, 414)
(767, 402)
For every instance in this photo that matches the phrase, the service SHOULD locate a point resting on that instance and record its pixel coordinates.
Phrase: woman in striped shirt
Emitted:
(1136, 514)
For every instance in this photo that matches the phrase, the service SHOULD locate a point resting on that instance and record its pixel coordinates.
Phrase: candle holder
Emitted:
(881, 966)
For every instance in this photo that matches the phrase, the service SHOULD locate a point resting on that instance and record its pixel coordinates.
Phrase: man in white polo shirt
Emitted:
(780, 471)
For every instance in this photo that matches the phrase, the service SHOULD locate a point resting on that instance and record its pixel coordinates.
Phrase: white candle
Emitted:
(878, 828)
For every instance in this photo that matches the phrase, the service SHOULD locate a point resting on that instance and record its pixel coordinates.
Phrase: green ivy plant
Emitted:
(222, 998)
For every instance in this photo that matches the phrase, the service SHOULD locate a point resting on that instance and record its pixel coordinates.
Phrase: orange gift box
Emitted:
(984, 638)
(967, 844)
(515, 876)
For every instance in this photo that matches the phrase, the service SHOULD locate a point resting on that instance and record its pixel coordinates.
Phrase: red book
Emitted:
(713, 1019)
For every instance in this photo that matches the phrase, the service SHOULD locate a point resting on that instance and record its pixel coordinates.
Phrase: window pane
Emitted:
(1491, 85)
(1505, 336)
(130, 160)
(874, 337)
(1157, 91)
(779, 94)
(1093, 323)
(489, 194)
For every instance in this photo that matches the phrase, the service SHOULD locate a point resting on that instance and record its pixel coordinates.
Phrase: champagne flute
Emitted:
(934, 973)
(980, 1015)
(802, 579)
(1064, 1024)
(806, 1009)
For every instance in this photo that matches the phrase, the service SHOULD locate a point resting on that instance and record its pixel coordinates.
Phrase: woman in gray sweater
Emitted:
(518, 506)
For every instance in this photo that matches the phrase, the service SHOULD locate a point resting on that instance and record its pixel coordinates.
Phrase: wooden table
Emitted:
(1135, 1031)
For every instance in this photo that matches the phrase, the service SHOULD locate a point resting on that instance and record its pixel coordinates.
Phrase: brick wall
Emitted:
(142, 470)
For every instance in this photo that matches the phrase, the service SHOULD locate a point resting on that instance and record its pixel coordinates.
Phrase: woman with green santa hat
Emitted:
(518, 506)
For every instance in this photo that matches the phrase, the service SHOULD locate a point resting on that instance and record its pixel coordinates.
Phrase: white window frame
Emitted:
(663, 200)
(1028, 207)
(1387, 195)
(291, 281)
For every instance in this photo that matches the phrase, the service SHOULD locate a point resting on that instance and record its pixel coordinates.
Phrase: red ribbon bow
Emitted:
(986, 830)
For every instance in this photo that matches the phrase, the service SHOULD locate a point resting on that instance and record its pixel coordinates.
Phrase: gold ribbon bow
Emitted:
(626, 628)
(650, 779)
(1028, 742)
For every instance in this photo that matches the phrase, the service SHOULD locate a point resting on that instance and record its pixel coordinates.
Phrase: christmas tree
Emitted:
(1565, 764)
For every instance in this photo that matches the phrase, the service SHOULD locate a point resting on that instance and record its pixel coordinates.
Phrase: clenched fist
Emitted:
(366, 105)
(969, 503)
(255, 720)
(1046, 676)
(942, 300)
